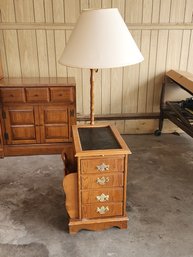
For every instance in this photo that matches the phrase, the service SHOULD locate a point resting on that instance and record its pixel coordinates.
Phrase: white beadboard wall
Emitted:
(33, 34)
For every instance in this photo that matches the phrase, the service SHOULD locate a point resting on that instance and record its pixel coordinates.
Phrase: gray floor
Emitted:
(33, 220)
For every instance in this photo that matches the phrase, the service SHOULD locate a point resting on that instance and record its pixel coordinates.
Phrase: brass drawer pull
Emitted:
(102, 209)
(102, 167)
(102, 198)
(102, 181)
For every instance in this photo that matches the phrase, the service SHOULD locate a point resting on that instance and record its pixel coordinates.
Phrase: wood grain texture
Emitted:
(131, 82)
(12, 53)
(28, 51)
(34, 34)
(42, 53)
(35, 118)
(58, 11)
(70, 185)
(134, 11)
(101, 194)
(98, 224)
(51, 53)
(24, 10)
(7, 11)
(72, 10)
(143, 73)
(39, 11)
(49, 11)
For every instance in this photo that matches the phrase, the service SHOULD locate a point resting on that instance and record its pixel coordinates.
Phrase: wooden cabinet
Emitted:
(100, 181)
(37, 115)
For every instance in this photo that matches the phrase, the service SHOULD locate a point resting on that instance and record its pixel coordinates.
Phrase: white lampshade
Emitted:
(100, 39)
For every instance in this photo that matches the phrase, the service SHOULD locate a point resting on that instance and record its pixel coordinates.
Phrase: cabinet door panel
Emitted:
(21, 124)
(54, 121)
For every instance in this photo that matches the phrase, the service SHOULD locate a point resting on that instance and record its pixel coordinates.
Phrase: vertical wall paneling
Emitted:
(94, 4)
(174, 49)
(190, 57)
(188, 11)
(131, 81)
(24, 10)
(116, 90)
(12, 53)
(58, 11)
(51, 53)
(155, 11)
(48, 5)
(42, 53)
(7, 11)
(120, 4)
(28, 53)
(185, 50)
(134, 11)
(147, 11)
(143, 75)
(165, 8)
(77, 74)
(177, 11)
(97, 92)
(83, 4)
(106, 3)
(72, 10)
(161, 28)
(86, 90)
(160, 66)
(3, 55)
(151, 72)
(60, 43)
(39, 10)
(106, 91)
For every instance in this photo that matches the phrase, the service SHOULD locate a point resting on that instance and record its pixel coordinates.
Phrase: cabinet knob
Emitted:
(102, 167)
(102, 209)
(102, 181)
(102, 198)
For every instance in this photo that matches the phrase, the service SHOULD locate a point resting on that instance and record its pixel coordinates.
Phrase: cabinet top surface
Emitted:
(98, 140)
(36, 81)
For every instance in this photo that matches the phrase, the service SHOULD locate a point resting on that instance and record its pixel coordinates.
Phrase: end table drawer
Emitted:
(102, 165)
(102, 181)
(102, 210)
(37, 95)
(16, 95)
(105, 195)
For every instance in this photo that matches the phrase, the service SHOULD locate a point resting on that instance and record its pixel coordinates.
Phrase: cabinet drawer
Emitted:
(16, 95)
(61, 94)
(102, 165)
(100, 210)
(101, 181)
(102, 195)
(37, 95)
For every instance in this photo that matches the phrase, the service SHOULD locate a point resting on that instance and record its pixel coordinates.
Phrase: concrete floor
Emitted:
(33, 220)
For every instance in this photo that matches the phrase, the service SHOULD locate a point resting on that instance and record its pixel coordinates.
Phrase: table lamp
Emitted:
(100, 40)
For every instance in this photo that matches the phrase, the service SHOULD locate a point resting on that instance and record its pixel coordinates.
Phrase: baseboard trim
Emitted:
(124, 116)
